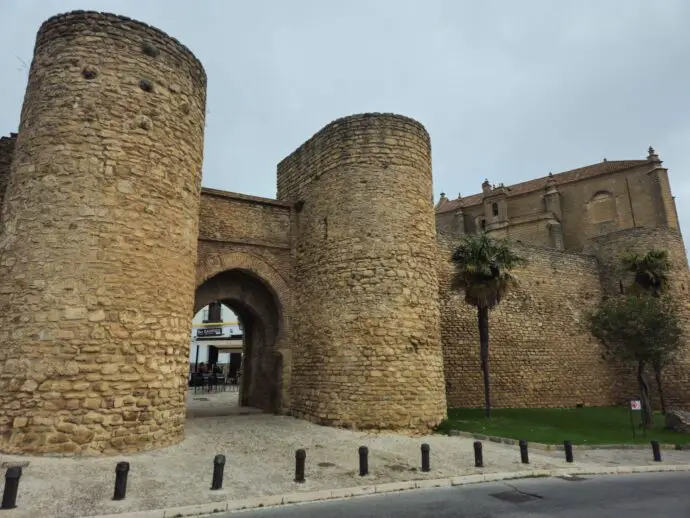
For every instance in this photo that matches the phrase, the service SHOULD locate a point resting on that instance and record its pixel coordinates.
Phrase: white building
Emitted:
(225, 336)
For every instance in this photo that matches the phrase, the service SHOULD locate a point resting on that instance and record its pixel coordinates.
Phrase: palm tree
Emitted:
(651, 278)
(650, 270)
(482, 270)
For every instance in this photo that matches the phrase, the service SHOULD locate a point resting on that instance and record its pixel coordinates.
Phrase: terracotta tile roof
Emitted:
(573, 175)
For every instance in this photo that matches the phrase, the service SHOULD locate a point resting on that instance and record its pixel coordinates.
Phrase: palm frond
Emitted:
(483, 269)
(651, 270)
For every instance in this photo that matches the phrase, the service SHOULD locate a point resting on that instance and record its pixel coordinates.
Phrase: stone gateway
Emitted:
(109, 245)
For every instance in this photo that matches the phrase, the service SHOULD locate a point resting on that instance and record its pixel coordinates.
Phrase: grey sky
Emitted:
(508, 90)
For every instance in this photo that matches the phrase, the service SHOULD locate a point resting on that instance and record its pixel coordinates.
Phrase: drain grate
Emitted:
(326, 465)
(201, 399)
(572, 478)
(515, 497)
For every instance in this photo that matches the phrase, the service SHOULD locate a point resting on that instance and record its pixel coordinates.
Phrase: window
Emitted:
(494, 209)
(483, 224)
(205, 314)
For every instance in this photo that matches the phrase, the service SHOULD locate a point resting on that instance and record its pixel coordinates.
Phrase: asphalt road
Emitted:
(660, 495)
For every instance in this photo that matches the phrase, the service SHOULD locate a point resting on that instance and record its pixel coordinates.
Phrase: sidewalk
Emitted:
(260, 452)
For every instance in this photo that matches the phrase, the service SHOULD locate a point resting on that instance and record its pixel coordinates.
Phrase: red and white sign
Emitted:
(635, 404)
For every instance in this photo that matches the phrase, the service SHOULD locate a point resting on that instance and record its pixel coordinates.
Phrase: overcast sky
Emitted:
(509, 90)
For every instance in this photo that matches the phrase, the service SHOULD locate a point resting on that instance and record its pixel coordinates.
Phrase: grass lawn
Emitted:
(605, 425)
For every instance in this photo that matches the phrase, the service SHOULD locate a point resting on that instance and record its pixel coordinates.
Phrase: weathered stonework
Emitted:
(99, 241)
(251, 235)
(539, 340)
(609, 250)
(366, 344)
(108, 246)
(6, 152)
(678, 421)
(566, 210)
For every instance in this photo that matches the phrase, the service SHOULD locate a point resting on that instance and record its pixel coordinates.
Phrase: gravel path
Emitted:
(260, 452)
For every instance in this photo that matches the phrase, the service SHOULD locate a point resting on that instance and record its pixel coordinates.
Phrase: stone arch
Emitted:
(602, 207)
(255, 275)
(218, 262)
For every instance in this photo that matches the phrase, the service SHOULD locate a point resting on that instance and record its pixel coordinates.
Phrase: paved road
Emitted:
(660, 495)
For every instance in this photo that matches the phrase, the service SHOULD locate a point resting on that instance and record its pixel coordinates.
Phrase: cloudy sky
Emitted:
(509, 90)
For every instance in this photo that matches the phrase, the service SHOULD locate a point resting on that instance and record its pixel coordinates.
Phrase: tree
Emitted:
(641, 329)
(482, 270)
(650, 270)
(651, 278)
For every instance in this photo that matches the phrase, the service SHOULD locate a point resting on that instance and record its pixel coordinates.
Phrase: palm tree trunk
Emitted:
(483, 318)
(644, 396)
(659, 386)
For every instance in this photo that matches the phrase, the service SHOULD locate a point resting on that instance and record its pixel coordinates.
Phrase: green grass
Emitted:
(603, 425)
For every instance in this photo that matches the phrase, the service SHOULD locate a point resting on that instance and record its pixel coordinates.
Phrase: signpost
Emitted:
(635, 406)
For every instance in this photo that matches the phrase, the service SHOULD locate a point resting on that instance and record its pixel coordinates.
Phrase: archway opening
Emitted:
(240, 345)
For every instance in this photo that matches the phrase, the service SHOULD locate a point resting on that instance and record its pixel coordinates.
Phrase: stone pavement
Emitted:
(260, 452)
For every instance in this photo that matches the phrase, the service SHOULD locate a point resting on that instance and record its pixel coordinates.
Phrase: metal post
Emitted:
(632, 420)
(218, 467)
(121, 472)
(426, 461)
(656, 451)
(567, 445)
(363, 461)
(9, 496)
(524, 454)
(478, 457)
(300, 459)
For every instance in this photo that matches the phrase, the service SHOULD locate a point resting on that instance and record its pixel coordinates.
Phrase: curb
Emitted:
(391, 487)
(559, 447)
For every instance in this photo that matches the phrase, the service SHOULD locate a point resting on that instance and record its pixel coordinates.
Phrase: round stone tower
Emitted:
(98, 244)
(367, 351)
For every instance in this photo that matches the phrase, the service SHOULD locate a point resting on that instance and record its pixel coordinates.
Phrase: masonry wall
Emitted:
(635, 197)
(529, 230)
(244, 258)
(239, 218)
(367, 345)
(541, 351)
(609, 251)
(6, 152)
(99, 240)
(248, 226)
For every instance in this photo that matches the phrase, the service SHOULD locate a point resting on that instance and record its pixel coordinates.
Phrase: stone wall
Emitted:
(99, 240)
(244, 259)
(238, 218)
(366, 347)
(6, 152)
(595, 200)
(610, 249)
(108, 245)
(541, 351)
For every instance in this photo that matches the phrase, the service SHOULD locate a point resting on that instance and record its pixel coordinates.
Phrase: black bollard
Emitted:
(656, 451)
(568, 446)
(300, 458)
(9, 496)
(524, 454)
(426, 461)
(121, 472)
(478, 457)
(363, 461)
(218, 467)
